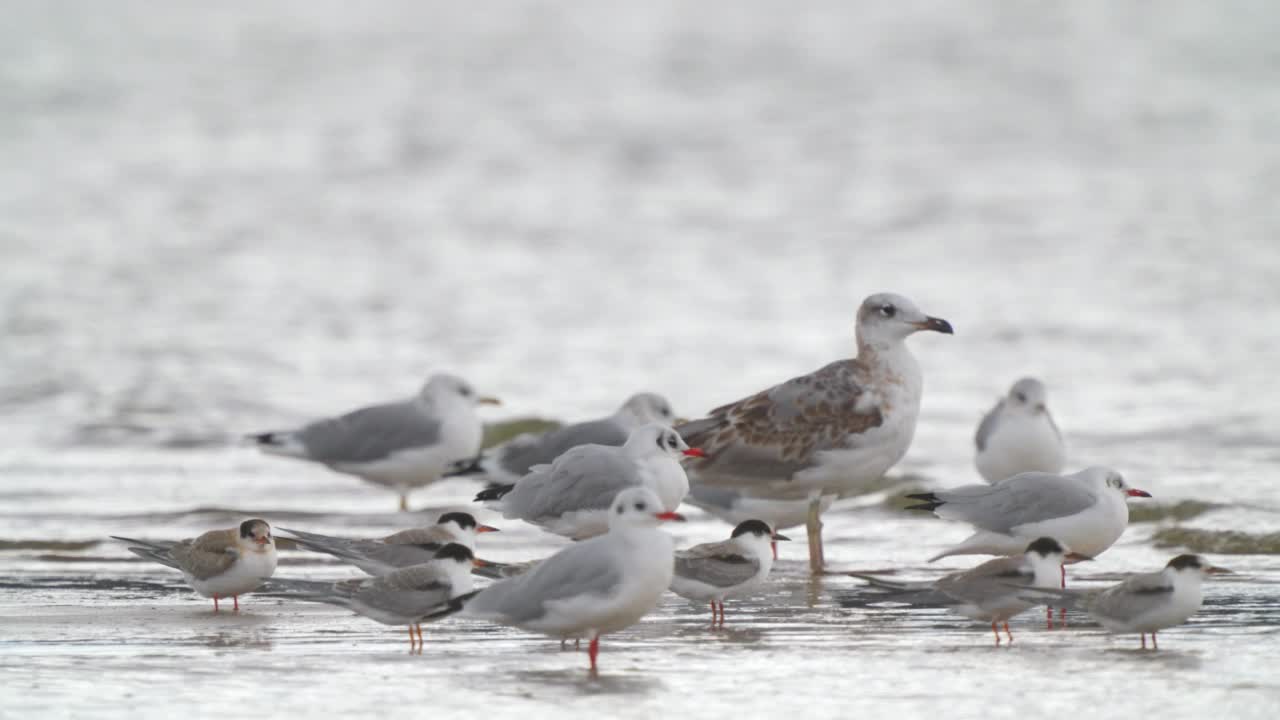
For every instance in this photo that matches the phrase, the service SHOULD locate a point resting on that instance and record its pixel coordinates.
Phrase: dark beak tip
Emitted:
(779, 536)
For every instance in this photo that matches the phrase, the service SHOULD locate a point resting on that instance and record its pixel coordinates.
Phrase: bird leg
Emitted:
(1007, 633)
(814, 526)
(721, 614)
(235, 599)
(1144, 640)
(404, 502)
(713, 614)
(563, 641)
(592, 650)
(995, 631)
(1048, 616)
(1154, 644)
(411, 641)
(419, 627)
(215, 603)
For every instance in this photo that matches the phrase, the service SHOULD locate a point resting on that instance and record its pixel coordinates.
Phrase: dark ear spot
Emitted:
(621, 509)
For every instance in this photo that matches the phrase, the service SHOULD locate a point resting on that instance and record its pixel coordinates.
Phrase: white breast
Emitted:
(1021, 443)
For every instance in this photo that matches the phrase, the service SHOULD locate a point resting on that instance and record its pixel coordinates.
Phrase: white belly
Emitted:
(667, 478)
(1021, 444)
(245, 575)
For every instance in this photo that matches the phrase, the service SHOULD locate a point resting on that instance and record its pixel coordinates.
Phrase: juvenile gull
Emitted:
(220, 563)
(712, 572)
(401, 445)
(512, 460)
(409, 596)
(397, 550)
(595, 587)
(835, 429)
(988, 592)
(1143, 603)
(1085, 511)
(1018, 435)
(736, 506)
(572, 496)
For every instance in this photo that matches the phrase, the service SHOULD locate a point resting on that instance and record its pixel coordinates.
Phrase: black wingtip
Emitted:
(454, 605)
(262, 438)
(930, 502)
(470, 466)
(495, 492)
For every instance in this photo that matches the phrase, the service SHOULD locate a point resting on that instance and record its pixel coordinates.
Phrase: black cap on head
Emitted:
(1184, 562)
(464, 520)
(454, 551)
(757, 527)
(1046, 546)
(248, 526)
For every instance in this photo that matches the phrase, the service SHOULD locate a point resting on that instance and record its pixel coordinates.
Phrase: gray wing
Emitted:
(150, 550)
(1132, 598)
(712, 496)
(518, 457)
(581, 569)
(989, 581)
(1021, 499)
(988, 426)
(392, 554)
(717, 564)
(585, 478)
(768, 437)
(370, 434)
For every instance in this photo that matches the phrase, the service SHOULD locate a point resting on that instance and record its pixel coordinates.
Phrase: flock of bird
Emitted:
(773, 460)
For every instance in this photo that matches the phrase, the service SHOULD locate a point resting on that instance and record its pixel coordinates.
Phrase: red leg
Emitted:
(1144, 640)
(215, 603)
(592, 650)
(774, 545)
(236, 599)
(411, 641)
(713, 614)
(1062, 617)
(1154, 644)
(1048, 617)
(722, 613)
(995, 631)
(1007, 633)
(577, 644)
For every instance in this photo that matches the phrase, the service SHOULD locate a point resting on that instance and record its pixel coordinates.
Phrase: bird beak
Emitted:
(1215, 570)
(780, 536)
(670, 516)
(1041, 408)
(480, 563)
(934, 324)
(1075, 557)
(1137, 493)
(262, 540)
(486, 528)
(694, 452)
(488, 400)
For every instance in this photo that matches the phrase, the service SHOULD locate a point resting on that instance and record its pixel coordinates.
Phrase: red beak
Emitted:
(486, 528)
(670, 516)
(695, 452)
(262, 540)
(1137, 493)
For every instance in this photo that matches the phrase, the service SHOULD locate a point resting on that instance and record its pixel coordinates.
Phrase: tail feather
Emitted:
(1054, 597)
(278, 442)
(930, 502)
(496, 492)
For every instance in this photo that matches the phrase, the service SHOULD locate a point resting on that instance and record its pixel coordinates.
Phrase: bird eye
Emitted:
(1020, 396)
(888, 310)
(671, 442)
(660, 444)
(466, 391)
(640, 506)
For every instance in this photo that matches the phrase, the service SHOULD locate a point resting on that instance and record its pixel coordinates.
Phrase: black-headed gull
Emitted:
(833, 430)
(1018, 435)
(1144, 603)
(402, 445)
(513, 459)
(713, 572)
(219, 564)
(572, 496)
(594, 587)
(397, 550)
(409, 596)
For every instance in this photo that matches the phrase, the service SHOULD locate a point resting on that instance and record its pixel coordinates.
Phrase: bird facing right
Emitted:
(1018, 435)
(1144, 603)
(729, 568)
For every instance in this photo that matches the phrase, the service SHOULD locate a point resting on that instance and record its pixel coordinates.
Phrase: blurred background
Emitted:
(218, 218)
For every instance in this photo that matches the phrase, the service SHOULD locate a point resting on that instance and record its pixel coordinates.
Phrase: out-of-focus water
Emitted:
(218, 218)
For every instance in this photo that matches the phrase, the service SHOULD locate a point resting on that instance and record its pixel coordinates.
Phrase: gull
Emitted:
(1085, 511)
(988, 592)
(401, 445)
(397, 550)
(512, 460)
(218, 564)
(572, 496)
(735, 506)
(1143, 603)
(1018, 435)
(832, 430)
(726, 569)
(409, 596)
(595, 587)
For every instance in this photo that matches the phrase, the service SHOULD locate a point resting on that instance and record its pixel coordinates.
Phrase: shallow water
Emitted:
(217, 219)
